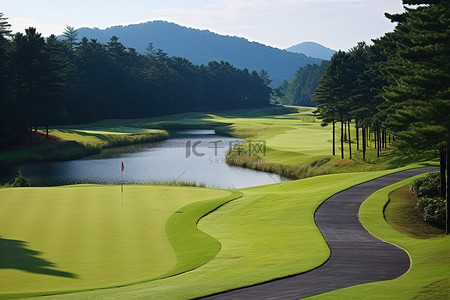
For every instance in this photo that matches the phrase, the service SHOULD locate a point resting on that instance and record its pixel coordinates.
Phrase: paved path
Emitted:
(356, 256)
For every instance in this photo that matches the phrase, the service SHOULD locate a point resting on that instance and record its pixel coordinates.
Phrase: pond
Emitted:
(189, 155)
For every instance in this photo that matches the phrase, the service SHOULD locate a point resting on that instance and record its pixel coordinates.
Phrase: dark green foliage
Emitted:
(428, 186)
(49, 81)
(304, 84)
(202, 46)
(432, 210)
(419, 89)
(430, 206)
(70, 35)
(21, 181)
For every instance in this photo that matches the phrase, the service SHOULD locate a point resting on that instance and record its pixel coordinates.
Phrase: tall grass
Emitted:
(175, 182)
(321, 166)
(74, 149)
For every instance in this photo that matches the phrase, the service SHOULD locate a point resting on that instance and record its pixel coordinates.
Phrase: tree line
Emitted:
(398, 87)
(48, 81)
(303, 85)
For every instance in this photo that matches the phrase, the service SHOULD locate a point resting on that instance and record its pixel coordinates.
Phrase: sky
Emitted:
(337, 24)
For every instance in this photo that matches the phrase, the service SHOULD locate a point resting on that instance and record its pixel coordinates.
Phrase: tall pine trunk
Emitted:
(364, 141)
(357, 134)
(377, 138)
(375, 132)
(334, 137)
(342, 137)
(349, 141)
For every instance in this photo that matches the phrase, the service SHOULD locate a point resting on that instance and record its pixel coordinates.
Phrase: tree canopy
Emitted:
(47, 81)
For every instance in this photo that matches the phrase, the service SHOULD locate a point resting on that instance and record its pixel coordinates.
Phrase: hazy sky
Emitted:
(338, 24)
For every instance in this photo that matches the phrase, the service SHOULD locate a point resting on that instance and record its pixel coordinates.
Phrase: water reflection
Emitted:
(161, 161)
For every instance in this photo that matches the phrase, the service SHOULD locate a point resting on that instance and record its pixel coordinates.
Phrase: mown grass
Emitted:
(402, 214)
(77, 143)
(268, 233)
(81, 237)
(296, 143)
(81, 140)
(297, 146)
(428, 277)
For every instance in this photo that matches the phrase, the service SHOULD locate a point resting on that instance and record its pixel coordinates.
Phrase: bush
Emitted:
(432, 210)
(21, 181)
(428, 186)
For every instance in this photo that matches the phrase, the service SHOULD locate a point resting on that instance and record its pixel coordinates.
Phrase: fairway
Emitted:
(268, 233)
(78, 237)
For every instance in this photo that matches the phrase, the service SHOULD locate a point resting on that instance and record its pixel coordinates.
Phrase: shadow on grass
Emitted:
(14, 254)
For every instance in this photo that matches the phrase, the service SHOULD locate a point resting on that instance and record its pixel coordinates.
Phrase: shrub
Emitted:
(21, 181)
(428, 186)
(432, 210)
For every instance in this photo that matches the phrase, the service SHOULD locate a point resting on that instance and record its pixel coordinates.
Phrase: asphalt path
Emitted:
(356, 256)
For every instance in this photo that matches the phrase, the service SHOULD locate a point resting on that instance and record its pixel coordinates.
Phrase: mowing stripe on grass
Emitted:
(80, 237)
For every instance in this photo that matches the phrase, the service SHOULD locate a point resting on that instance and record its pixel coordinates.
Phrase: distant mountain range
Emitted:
(203, 46)
(313, 50)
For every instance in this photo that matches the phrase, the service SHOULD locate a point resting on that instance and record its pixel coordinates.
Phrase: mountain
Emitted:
(203, 46)
(313, 50)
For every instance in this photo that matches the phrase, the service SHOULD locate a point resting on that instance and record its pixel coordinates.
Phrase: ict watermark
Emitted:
(237, 147)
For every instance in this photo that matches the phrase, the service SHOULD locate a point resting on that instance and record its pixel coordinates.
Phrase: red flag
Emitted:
(122, 167)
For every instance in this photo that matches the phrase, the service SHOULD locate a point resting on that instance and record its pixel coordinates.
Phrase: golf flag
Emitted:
(121, 181)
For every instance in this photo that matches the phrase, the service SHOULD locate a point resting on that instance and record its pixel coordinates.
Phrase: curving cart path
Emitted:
(356, 256)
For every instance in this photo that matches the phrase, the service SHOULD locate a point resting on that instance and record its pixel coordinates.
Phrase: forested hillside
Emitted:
(203, 46)
(47, 81)
(304, 84)
(312, 49)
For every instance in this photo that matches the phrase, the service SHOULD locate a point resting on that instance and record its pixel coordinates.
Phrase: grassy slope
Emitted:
(402, 214)
(266, 234)
(255, 227)
(430, 259)
(293, 136)
(298, 147)
(78, 237)
(79, 142)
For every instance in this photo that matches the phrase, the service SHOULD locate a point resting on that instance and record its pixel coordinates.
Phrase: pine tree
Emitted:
(71, 34)
(419, 90)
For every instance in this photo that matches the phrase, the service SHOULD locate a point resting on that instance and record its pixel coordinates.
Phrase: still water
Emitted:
(189, 155)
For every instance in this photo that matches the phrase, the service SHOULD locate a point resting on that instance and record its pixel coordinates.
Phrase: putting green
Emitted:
(81, 237)
(268, 233)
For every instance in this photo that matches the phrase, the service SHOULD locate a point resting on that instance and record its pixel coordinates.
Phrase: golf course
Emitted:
(179, 242)
(225, 149)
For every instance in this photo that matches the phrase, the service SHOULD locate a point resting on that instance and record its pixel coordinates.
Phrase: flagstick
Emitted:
(121, 181)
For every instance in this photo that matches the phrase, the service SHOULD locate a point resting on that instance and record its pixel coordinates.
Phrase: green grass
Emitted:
(428, 276)
(401, 213)
(76, 143)
(268, 233)
(297, 145)
(295, 141)
(81, 237)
